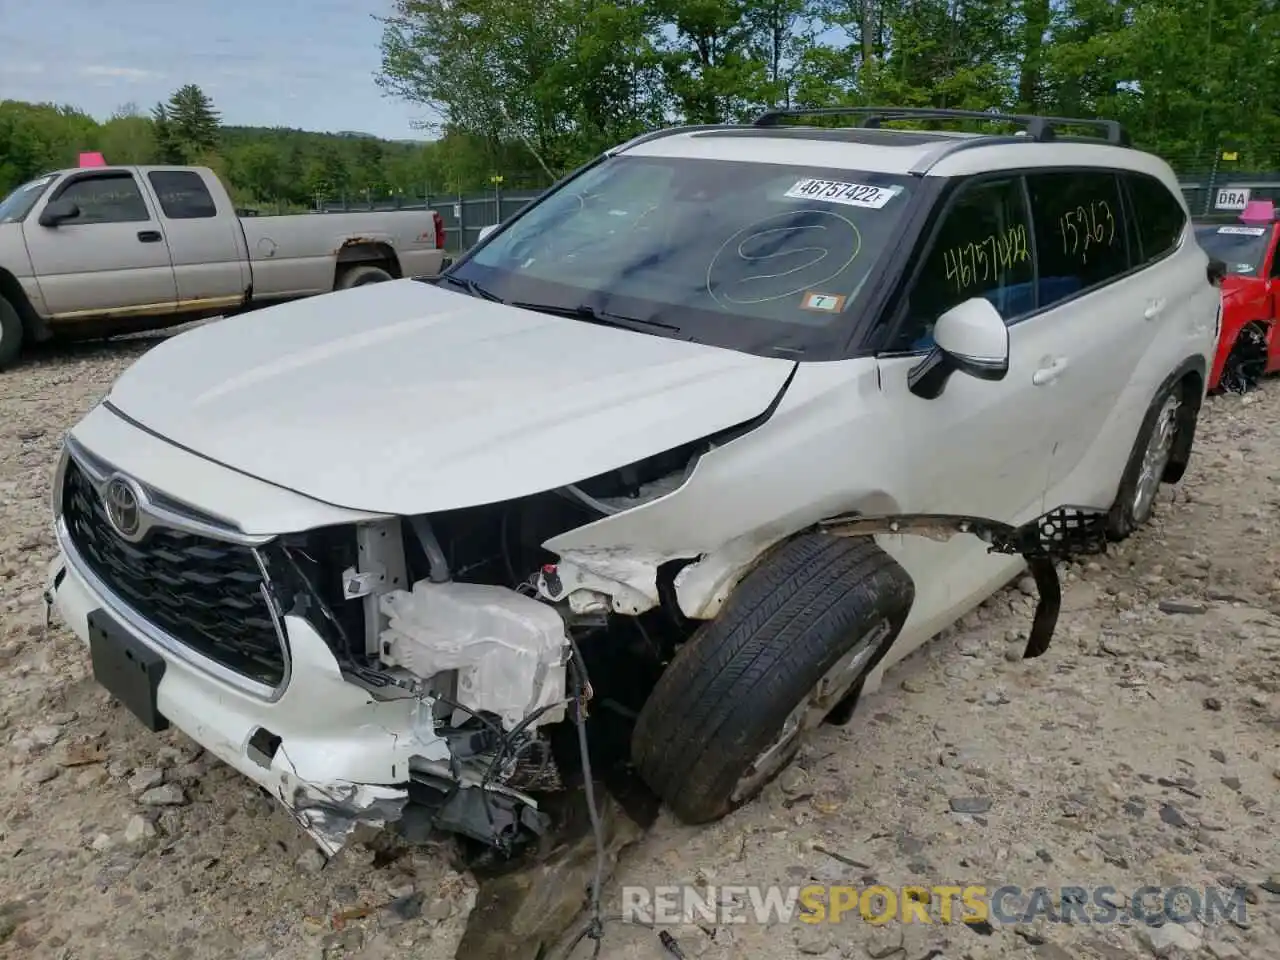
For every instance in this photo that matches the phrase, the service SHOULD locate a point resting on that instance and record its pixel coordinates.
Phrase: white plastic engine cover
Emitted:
(509, 649)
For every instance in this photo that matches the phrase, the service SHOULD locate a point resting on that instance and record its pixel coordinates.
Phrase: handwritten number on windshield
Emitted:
(1084, 228)
(986, 260)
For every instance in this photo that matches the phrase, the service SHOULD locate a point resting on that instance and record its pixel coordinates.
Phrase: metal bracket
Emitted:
(1059, 534)
(361, 584)
(381, 568)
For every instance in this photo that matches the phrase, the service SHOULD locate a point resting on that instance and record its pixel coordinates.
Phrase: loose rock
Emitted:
(165, 795)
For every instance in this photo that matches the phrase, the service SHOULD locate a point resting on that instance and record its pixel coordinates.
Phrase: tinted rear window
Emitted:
(1080, 233)
(1159, 216)
(182, 195)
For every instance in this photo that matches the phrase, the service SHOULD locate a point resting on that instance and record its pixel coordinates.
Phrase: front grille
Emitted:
(204, 592)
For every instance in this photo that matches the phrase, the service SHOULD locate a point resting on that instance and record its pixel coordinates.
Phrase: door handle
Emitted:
(150, 236)
(1154, 309)
(1049, 372)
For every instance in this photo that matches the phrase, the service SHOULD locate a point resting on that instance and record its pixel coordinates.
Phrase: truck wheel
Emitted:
(359, 276)
(1136, 498)
(10, 334)
(799, 633)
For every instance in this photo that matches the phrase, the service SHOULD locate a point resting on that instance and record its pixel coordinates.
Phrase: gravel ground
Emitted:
(1141, 750)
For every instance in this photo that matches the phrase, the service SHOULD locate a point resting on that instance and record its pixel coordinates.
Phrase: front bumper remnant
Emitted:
(1057, 535)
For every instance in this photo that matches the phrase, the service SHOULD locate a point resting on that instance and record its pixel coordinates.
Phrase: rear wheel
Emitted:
(11, 334)
(794, 640)
(1139, 487)
(358, 276)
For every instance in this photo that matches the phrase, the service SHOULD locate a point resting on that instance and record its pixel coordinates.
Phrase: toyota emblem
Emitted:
(122, 502)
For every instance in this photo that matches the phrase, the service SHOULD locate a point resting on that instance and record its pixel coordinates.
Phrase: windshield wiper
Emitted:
(584, 311)
(473, 288)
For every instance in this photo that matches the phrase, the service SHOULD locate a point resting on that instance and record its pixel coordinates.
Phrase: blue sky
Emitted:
(293, 63)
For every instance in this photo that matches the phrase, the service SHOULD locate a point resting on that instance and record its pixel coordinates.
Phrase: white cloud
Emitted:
(129, 74)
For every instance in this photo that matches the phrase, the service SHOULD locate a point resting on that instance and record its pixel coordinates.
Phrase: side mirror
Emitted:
(58, 211)
(970, 338)
(1216, 272)
(485, 231)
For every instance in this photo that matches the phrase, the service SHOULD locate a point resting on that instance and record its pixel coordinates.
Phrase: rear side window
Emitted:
(109, 198)
(1159, 215)
(1080, 232)
(982, 249)
(182, 195)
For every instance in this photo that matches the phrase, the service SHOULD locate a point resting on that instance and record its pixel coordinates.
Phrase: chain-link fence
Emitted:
(464, 215)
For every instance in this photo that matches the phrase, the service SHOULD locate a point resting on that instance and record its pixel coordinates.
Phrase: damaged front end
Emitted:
(466, 618)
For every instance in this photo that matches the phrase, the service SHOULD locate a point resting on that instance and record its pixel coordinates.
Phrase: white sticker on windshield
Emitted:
(1243, 231)
(849, 194)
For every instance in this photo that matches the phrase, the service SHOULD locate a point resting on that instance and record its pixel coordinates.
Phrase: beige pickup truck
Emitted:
(92, 252)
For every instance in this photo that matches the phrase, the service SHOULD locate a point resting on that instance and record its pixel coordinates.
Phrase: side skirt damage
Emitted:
(1057, 535)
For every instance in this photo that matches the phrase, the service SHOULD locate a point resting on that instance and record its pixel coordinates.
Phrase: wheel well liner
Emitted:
(1191, 375)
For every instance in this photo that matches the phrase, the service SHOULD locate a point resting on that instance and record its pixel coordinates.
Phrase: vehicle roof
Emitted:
(122, 168)
(878, 150)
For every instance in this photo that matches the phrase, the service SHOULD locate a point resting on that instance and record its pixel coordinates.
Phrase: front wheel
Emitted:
(1247, 362)
(11, 333)
(796, 637)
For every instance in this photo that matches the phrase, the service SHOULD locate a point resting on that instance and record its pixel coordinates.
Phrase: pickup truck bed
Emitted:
(104, 250)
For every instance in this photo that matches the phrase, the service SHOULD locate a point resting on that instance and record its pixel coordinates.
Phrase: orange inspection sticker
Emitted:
(823, 302)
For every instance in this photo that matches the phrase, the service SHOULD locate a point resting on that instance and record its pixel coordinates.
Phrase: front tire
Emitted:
(1247, 362)
(1143, 475)
(797, 636)
(11, 334)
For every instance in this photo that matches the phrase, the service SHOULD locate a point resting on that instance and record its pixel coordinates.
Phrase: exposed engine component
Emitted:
(508, 649)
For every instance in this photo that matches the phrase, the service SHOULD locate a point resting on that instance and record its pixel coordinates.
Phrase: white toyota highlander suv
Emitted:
(700, 442)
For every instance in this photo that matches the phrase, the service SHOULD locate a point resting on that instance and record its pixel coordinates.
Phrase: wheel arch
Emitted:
(702, 585)
(33, 325)
(360, 251)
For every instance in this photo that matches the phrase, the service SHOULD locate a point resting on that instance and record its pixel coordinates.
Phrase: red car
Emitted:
(1248, 347)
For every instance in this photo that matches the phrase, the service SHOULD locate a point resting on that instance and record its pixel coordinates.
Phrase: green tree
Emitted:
(186, 126)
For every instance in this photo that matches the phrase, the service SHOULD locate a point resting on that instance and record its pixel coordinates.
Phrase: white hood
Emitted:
(405, 398)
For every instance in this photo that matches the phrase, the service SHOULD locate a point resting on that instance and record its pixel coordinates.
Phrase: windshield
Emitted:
(1241, 248)
(18, 204)
(756, 257)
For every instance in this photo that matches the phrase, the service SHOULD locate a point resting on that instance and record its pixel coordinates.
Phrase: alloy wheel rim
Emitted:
(1156, 457)
(809, 713)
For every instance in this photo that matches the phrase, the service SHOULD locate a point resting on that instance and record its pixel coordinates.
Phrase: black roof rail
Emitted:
(1039, 129)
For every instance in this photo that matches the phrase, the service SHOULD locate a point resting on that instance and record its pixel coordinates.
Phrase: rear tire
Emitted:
(11, 334)
(795, 639)
(1148, 463)
(360, 275)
